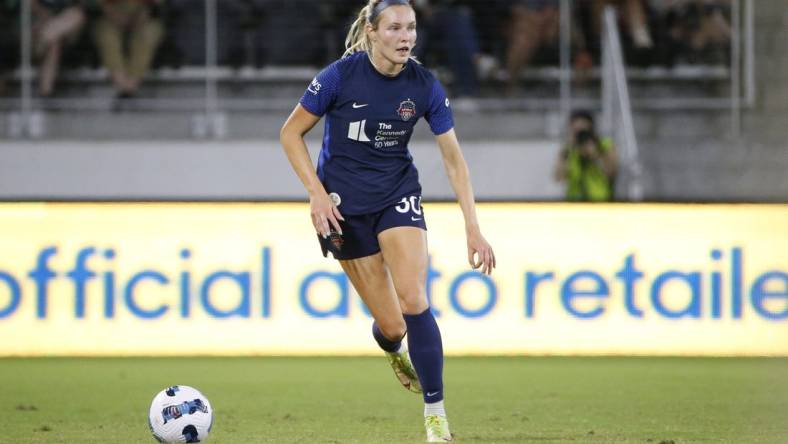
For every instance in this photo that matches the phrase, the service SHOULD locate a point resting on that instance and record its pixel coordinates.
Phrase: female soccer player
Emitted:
(373, 97)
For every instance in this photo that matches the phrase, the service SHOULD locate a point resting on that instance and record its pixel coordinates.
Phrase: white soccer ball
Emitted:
(180, 414)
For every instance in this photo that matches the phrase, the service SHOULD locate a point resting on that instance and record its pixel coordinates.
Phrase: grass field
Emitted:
(356, 400)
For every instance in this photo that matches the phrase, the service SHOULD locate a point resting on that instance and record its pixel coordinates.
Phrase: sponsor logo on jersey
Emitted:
(314, 87)
(407, 109)
(387, 136)
(356, 131)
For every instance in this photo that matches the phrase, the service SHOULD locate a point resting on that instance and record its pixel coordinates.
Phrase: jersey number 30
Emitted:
(410, 203)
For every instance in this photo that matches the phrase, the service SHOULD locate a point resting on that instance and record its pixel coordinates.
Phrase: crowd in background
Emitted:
(469, 37)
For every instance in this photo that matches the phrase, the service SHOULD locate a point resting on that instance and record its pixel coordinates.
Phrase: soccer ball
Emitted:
(180, 414)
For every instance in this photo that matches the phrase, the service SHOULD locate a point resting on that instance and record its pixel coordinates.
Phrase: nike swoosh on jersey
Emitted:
(355, 105)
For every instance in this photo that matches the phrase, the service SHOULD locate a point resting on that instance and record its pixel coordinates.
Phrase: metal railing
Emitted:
(210, 111)
(566, 61)
(742, 68)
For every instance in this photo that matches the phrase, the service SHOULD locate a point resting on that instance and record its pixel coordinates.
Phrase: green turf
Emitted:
(356, 400)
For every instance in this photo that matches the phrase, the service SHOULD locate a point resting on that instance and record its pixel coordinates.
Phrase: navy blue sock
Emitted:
(426, 353)
(385, 343)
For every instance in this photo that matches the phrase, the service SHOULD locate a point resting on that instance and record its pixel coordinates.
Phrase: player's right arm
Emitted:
(323, 210)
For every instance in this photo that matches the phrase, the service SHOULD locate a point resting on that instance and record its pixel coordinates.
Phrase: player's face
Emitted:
(395, 35)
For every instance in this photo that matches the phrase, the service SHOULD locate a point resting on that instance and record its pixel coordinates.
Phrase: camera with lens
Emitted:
(585, 139)
(582, 137)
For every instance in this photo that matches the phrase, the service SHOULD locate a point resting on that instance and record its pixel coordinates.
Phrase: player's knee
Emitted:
(413, 302)
(393, 330)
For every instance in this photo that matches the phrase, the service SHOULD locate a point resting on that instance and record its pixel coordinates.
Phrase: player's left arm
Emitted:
(480, 253)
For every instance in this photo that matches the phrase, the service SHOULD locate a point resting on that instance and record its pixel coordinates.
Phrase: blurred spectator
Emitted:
(697, 31)
(447, 32)
(534, 25)
(9, 41)
(634, 18)
(56, 23)
(135, 21)
(490, 17)
(633, 14)
(587, 163)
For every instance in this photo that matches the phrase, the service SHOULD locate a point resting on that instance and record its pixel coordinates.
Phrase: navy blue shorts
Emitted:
(360, 233)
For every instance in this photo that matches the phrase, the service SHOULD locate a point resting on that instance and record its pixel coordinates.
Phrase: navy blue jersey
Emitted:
(369, 121)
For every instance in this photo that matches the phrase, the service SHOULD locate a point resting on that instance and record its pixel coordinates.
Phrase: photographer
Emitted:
(587, 163)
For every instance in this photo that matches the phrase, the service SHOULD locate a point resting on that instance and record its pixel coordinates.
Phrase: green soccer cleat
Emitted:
(404, 370)
(437, 429)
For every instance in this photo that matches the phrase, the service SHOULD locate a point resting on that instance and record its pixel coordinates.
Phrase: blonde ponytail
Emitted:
(357, 39)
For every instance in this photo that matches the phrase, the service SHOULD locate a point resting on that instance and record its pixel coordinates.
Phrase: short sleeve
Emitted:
(322, 92)
(439, 113)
